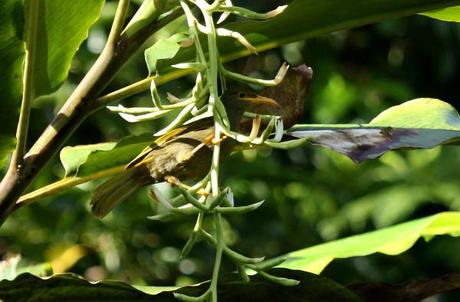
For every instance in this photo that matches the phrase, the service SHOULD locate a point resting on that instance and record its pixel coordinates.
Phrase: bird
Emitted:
(289, 94)
(185, 153)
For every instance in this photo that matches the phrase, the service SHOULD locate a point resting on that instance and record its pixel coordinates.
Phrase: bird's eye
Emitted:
(242, 95)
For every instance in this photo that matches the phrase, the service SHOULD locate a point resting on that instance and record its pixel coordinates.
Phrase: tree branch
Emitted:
(78, 106)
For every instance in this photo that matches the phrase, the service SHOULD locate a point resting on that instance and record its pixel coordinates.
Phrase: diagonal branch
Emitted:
(78, 106)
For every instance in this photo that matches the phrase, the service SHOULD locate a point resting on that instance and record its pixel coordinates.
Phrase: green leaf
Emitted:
(451, 14)
(421, 123)
(87, 159)
(163, 49)
(68, 287)
(11, 57)
(309, 18)
(9, 267)
(73, 157)
(390, 241)
(63, 25)
(422, 113)
(6, 148)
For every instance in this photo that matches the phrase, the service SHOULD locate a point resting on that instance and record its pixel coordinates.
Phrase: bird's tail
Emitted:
(115, 190)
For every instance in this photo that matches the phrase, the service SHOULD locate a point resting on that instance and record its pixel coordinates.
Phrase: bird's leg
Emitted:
(211, 140)
(175, 182)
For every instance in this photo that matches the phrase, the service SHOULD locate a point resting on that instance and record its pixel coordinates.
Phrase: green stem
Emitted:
(217, 261)
(28, 89)
(140, 86)
(118, 21)
(64, 184)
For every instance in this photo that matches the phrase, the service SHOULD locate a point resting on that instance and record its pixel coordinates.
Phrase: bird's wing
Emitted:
(165, 138)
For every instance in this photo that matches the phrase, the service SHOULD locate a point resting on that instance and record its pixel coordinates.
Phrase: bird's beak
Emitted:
(261, 100)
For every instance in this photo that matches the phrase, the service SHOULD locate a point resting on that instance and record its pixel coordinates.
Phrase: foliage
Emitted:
(317, 191)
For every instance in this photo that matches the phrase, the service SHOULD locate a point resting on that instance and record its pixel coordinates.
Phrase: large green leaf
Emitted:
(446, 14)
(391, 241)
(62, 27)
(312, 288)
(420, 123)
(308, 18)
(11, 58)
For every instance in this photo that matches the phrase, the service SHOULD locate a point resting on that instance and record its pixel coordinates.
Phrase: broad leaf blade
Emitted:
(63, 25)
(67, 287)
(309, 18)
(450, 14)
(420, 123)
(391, 241)
(11, 57)
(422, 113)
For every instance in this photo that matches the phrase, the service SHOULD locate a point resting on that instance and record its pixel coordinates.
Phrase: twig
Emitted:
(28, 93)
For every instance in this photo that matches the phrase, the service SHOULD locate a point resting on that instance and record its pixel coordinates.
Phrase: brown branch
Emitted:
(78, 106)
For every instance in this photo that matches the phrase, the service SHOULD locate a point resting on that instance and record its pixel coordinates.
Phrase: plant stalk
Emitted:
(78, 106)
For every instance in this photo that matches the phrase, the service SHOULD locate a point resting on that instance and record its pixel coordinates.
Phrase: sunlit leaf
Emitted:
(451, 14)
(86, 159)
(423, 113)
(73, 157)
(420, 123)
(391, 241)
(163, 49)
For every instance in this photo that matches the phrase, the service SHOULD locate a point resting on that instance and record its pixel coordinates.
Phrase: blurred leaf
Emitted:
(308, 18)
(163, 49)
(11, 56)
(63, 25)
(451, 14)
(420, 123)
(42, 269)
(67, 287)
(9, 267)
(391, 241)
(6, 148)
(86, 159)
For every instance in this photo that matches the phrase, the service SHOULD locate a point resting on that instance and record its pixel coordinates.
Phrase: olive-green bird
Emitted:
(185, 153)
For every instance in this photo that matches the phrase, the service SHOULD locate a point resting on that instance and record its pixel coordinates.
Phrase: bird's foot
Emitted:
(175, 182)
(212, 140)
